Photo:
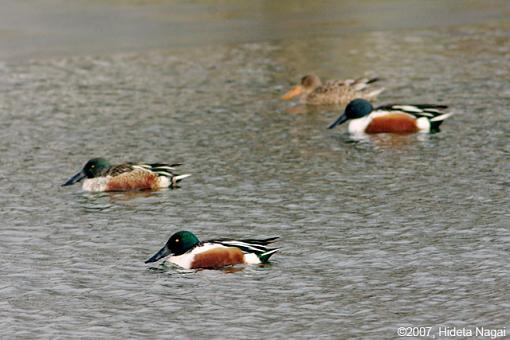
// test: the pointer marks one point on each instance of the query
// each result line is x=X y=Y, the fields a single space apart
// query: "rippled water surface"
x=375 y=234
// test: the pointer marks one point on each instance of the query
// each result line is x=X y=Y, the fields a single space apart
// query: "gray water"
x=375 y=234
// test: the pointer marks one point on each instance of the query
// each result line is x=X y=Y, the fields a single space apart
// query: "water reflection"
x=118 y=197
x=167 y=267
x=385 y=140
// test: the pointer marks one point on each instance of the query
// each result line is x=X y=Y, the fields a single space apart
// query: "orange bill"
x=295 y=91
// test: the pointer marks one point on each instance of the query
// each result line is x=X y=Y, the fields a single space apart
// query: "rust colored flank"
x=393 y=123
x=217 y=258
x=134 y=180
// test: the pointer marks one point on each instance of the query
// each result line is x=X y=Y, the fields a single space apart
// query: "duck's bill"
x=76 y=178
x=295 y=91
x=164 y=252
x=340 y=120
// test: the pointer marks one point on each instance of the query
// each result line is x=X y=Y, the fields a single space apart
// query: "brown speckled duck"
x=340 y=92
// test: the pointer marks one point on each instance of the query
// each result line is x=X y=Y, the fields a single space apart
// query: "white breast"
x=358 y=126
x=95 y=184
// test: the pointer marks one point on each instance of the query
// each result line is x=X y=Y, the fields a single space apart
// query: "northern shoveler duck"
x=100 y=175
x=186 y=251
x=340 y=92
x=393 y=118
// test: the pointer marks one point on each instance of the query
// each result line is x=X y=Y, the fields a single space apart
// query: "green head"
x=92 y=169
x=357 y=108
x=178 y=244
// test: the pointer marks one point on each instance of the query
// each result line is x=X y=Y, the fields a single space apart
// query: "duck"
x=185 y=250
x=99 y=175
x=391 y=118
x=311 y=91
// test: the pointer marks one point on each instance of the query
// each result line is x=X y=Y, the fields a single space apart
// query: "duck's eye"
x=92 y=166
x=177 y=240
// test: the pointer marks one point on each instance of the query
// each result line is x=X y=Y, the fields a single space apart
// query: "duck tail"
x=373 y=94
x=264 y=257
x=167 y=170
x=372 y=80
x=177 y=178
x=437 y=121
x=366 y=91
x=257 y=247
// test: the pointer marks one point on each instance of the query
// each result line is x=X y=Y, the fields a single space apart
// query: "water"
x=375 y=234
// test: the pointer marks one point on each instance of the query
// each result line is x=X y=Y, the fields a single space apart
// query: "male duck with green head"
x=392 y=118
x=186 y=251
x=99 y=175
